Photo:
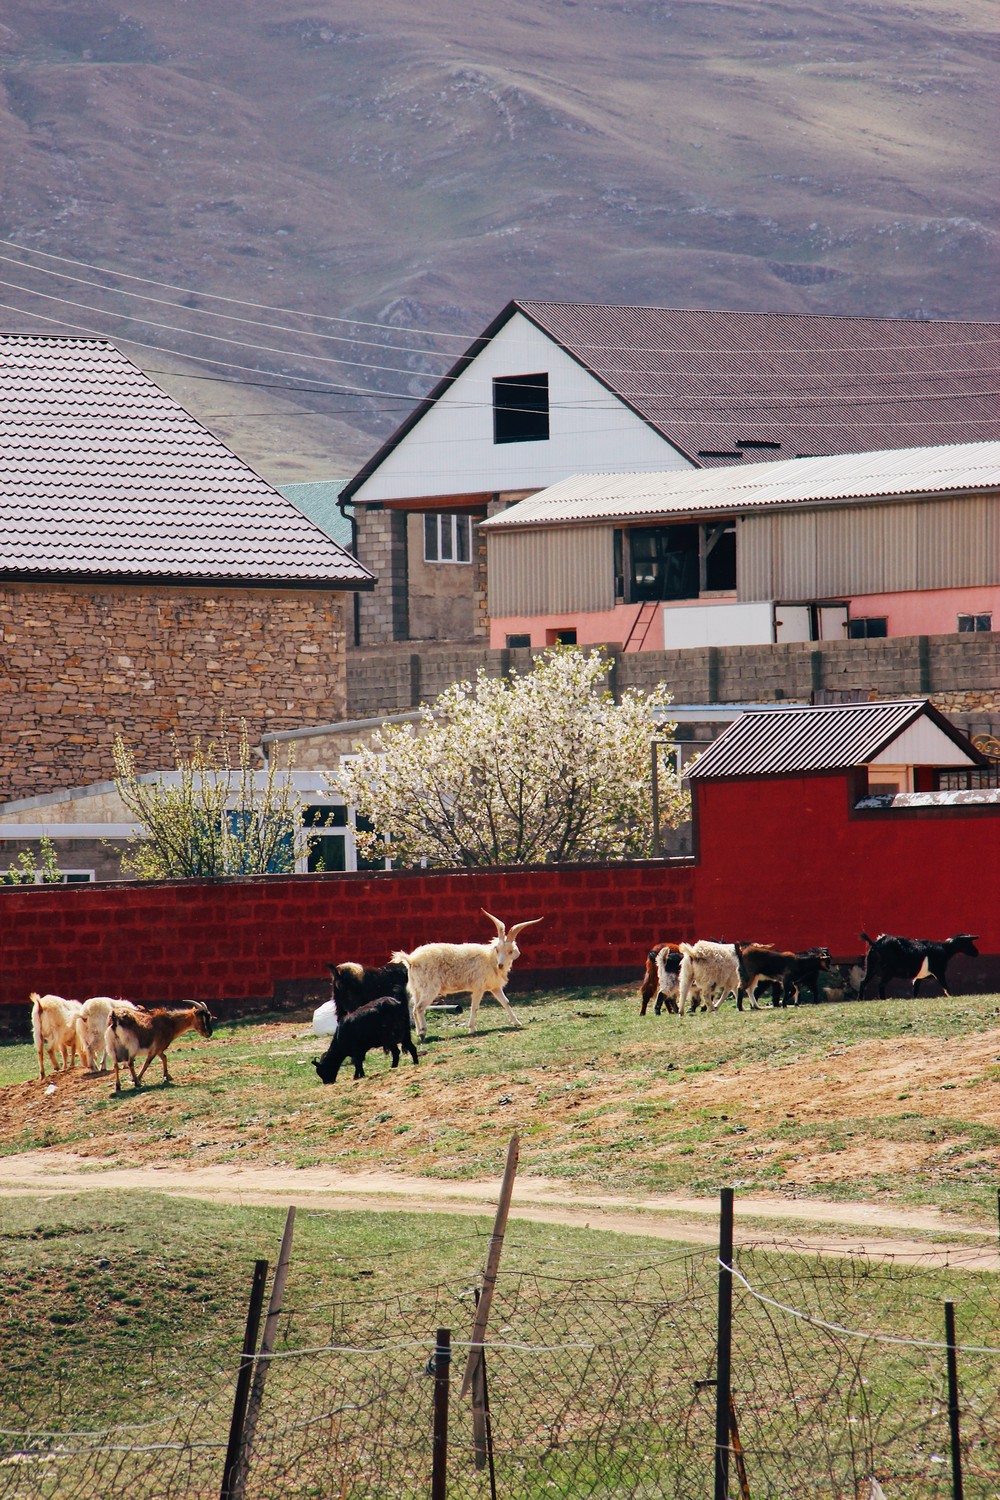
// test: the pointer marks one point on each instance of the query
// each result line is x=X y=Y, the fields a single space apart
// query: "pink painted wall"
x=593 y=627
x=918 y=612
x=928 y=611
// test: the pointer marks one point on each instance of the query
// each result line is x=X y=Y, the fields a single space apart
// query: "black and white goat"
x=912 y=959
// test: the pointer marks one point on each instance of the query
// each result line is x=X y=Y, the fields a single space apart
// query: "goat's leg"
x=498 y=992
x=477 y=995
x=166 y=1076
x=359 y=1065
x=409 y=1047
x=394 y=1049
x=149 y=1059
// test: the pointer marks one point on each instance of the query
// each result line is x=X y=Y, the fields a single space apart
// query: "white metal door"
x=832 y=620
x=792 y=622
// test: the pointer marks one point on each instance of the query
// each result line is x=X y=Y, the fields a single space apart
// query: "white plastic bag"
x=325 y=1019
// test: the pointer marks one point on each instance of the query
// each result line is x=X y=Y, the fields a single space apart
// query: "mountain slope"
x=419 y=166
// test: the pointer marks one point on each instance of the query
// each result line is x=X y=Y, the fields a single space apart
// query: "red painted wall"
x=781 y=861
x=784 y=860
x=237 y=939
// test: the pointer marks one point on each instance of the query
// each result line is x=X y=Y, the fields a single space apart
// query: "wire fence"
x=597 y=1386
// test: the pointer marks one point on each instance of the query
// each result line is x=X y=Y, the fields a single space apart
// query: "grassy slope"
x=425 y=165
x=896 y=1101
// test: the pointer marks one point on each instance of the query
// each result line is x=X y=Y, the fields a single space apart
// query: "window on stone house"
x=447 y=537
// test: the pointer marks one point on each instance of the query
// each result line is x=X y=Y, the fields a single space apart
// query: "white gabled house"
x=551 y=390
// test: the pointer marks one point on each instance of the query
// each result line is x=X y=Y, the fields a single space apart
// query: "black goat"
x=911 y=959
x=384 y=1022
x=354 y=985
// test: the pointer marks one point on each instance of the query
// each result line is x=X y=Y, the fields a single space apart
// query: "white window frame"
x=446 y=531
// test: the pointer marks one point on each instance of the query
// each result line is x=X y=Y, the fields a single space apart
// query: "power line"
x=220 y=338
x=203 y=312
x=618 y=347
x=754 y=403
x=233 y=301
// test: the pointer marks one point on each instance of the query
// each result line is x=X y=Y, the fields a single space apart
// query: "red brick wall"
x=240 y=939
x=781 y=861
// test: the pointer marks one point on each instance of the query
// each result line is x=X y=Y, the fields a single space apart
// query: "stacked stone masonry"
x=84 y=662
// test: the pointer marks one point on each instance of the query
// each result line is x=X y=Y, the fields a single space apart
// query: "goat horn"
x=520 y=925
x=501 y=929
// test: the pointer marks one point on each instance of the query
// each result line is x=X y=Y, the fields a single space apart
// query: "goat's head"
x=965 y=942
x=202 y=1018
x=506 y=944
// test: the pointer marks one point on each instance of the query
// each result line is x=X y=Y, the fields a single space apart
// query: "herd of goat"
x=380 y=1008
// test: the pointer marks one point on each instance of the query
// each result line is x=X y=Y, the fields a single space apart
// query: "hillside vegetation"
x=421 y=165
x=893 y=1101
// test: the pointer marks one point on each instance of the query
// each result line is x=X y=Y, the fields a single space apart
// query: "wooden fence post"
x=243 y=1379
x=262 y=1366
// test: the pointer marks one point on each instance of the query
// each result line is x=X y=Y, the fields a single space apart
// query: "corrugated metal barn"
x=807 y=530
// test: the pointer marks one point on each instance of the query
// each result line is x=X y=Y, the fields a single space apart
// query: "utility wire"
x=621 y=346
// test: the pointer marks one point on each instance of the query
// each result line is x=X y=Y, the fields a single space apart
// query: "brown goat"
x=151 y=1031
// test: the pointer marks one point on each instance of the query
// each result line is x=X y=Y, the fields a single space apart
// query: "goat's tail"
x=866 y=939
x=400 y=958
x=35 y=999
x=686 y=948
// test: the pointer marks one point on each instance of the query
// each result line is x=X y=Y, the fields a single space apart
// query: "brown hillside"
x=421 y=165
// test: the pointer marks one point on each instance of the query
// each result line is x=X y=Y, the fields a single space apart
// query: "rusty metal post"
x=439 y=1445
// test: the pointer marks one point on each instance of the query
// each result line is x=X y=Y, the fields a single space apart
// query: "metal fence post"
x=235 y=1447
x=724 y=1342
x=439 y=1446
x=953 y=1414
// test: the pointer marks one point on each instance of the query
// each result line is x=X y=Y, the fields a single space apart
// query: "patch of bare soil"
x=928 y=1076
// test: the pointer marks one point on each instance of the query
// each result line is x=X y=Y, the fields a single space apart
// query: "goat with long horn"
x=437 y=969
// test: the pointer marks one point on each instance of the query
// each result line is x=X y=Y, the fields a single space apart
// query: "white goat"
x=91 y=1026
x=437 y=969
x=53 y=1027
x=709 y=969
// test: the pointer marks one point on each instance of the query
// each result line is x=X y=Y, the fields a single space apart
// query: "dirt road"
x=811 y=1225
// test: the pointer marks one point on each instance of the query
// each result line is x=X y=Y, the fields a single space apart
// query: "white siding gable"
x=451 y=451
x=922 y=744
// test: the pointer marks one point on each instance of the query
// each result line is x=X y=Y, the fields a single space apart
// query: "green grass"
x=120 y=1312
x=602 y=1099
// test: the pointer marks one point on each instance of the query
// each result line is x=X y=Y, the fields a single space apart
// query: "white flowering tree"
x=539 y=768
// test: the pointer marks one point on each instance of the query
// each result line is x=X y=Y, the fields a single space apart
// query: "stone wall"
x=960 y=672
x=82 y=662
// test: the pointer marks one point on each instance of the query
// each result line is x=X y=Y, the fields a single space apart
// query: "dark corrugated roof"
x=102 y=474
x=711 y=380
x=830 y=738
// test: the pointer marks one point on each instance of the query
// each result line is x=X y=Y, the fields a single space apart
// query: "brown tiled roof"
x=831 y=738
x=103 y=475
x=711 y=381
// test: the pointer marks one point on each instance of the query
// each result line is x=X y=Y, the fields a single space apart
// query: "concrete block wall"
x=961 y=672
x=381 y=544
